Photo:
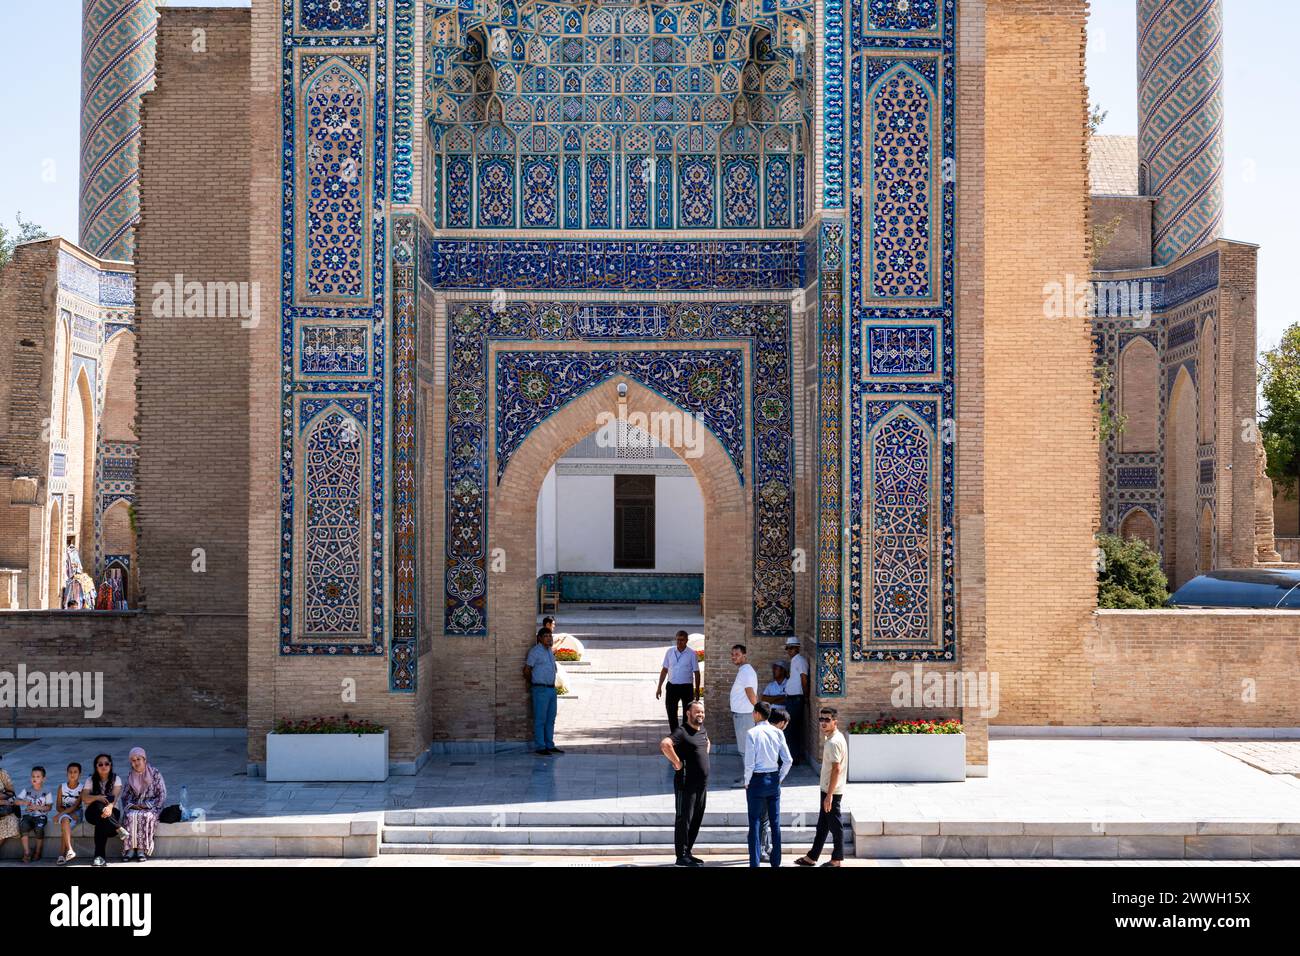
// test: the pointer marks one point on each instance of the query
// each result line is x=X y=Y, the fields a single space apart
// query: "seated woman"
x=142 y=802
x=8 y=811
x=103 y=806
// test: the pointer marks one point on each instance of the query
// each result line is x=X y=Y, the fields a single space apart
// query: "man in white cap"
x=796 y=698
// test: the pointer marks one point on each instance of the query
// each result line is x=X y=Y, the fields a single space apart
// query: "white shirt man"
x=682 y=669
x=796 y=699
x=744 y=695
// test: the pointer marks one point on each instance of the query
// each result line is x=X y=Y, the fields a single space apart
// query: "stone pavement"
x=736 y=861
x=1271 y=756
x=614 y=709
x=1042 y=797
x=666 y=618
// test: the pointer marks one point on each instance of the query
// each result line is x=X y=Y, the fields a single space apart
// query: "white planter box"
x=327 y=757
x=906 y=758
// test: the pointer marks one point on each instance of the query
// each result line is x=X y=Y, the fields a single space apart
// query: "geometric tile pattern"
x=532 y=386
x=900 y=372
x=615 y=264
x=533 y=382
x=620 y=117
x=610 y=86
x=901 y=438
x=901 y=96
x=334 y=271
x=334 y=461
x=117 y=67
x=830 y=460
x=1180 y=102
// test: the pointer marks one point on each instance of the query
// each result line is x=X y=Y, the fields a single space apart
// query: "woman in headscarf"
x=9 y=819
x=103 y=799
x=142 y=802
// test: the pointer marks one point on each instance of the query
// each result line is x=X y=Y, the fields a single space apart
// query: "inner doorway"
x=725 y=513
x=620 y=559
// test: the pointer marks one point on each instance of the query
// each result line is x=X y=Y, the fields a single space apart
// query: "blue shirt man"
x=540 y=673
x=767 y=761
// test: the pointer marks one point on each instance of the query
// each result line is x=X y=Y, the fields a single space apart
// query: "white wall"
x=679 y=525
x=546 y=554
x=575 y=524
x=585 y=522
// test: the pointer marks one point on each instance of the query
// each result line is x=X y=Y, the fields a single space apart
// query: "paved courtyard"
x=1085 y=781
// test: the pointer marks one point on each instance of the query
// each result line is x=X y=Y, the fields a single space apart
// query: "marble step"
x=571 y=835
x=789 y=851
x=579 y=818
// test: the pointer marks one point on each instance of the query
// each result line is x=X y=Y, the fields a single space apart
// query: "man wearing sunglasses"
x=835 y=757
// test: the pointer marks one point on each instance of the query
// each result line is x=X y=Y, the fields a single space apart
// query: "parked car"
x=1241 y=587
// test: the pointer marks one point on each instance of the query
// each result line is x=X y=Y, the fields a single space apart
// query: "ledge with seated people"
x=95 y=809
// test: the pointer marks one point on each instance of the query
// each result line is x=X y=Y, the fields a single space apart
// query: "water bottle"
x=185 y=799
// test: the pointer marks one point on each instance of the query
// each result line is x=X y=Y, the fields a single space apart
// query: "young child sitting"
x=36 y=803
x=69 y=811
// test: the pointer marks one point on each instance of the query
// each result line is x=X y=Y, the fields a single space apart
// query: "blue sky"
x=41 y=45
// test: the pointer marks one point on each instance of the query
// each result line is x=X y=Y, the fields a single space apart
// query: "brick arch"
x=1139 y=395
x=512 y=522
x=117 y=420
x=80 y=468
x=1205 y=541
x=54 y=556
x=1182 y=475
x=118 y=537
x=1206 y=377
x=1138 y=524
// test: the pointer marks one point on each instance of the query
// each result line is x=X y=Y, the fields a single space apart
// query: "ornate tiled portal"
x=555 y=136
x=752 y=420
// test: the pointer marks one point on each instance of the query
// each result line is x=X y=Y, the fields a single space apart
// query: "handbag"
x=170 y=814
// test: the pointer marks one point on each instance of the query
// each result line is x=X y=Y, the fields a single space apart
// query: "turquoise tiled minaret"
x=1180 y=121
x=117 y=67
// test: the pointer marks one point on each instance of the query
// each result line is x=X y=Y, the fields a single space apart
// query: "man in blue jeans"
x=539 y=674
x=767 y=761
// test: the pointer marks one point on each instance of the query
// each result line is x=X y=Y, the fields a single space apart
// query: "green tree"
x=1109 y=421
x=1279 y=382
x=1096 y=117
x=27 y=232
x=1130 y=576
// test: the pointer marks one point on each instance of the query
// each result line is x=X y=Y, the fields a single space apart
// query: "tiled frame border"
x=905 y=45
x=477 y=342
x=374 y=42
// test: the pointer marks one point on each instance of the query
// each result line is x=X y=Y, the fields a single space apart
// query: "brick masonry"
x=192 y=487
x=1190 y=669
x=1040 y=444
x=158 y=670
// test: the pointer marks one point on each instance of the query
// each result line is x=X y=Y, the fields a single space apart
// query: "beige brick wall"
x=1127 y=220
x=158 y=670
x=1234 y=405
x=1194 y=669
x=192 y=485
x=27 y=373
x=1041 y=458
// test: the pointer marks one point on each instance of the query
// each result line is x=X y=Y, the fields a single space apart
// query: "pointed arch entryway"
x=512 y=517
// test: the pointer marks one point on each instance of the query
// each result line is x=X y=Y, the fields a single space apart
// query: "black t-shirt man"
x=692 y=748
